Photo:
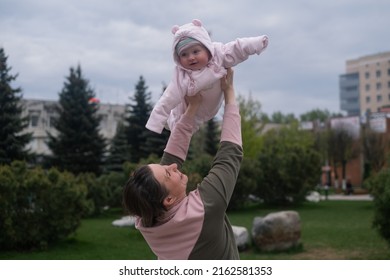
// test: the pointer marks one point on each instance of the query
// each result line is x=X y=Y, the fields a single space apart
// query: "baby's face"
x=194 y=58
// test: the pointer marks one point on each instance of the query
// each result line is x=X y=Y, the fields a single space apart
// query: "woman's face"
x=170 y=177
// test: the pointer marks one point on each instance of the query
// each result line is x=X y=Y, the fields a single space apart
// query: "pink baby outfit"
x=172 y=105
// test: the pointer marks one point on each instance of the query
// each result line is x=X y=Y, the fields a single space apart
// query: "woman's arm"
x=217 y=188
x=179 y=141
x=231 y=125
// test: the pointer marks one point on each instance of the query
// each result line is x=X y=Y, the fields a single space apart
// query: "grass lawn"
x=330 y=230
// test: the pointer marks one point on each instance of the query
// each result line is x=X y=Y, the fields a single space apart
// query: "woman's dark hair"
x=143 y=196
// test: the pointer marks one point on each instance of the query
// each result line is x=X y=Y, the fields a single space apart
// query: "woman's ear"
x=168 y=201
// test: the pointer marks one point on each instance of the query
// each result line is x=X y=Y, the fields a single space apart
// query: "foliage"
x=78 y=147
x=38 y=208
x=288 y=166
x=211 y=137
x=118 y=152
x=98 y=194
x=375 y=149
x=13 y=139
x=251 y=126
x=379 y=187
x=246 y=184
x=137 y=114
x=196 y=169
x=280 y=118
x=318 y=115
x=342 y=147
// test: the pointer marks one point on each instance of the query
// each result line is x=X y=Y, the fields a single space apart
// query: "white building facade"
x=42 y=113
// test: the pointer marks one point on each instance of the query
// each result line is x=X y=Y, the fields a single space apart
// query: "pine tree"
x=155 y=143
x=137 y=115
x=78 y=147
x=212 y=139
x=12 y=139
x=119 y=151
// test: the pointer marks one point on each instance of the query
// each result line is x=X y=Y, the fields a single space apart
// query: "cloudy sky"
x=115 y=42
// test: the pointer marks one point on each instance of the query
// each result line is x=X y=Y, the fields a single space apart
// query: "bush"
x=98 y=195
x=379 y=186
x=246 y=183
x=289 y=167
x=38 y=208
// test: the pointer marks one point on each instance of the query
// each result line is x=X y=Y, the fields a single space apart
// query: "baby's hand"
x=265 y=42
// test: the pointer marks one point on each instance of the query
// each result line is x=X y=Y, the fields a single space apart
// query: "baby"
x=200 y=63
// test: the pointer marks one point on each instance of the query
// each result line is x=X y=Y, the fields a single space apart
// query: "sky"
x=116 y=42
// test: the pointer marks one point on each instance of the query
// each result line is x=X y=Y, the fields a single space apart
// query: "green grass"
x=330 y=230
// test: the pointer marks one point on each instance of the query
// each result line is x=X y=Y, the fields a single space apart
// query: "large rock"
x=313 y=196
x=241 y=236
x=277 y=231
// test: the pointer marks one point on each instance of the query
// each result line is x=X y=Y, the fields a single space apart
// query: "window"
x=379 y=98
x=378 y=73
x=388 y=84
x=52 y=121
x=367 y=75
x=368 y=99
x=104 y=120
x=378 y=86
x=351 y=88
x=34 y=117
x=367 y=87
x=34 y=120
x=388 y=72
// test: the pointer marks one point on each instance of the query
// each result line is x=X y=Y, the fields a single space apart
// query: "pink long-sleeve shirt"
x=198 y=227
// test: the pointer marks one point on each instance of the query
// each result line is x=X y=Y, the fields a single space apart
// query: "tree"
x=318 y=115
x=137 y=114
x=375 y=149
x=12 y=139
x=119 y=151
x=315 y=115
x=211 y=137
x=280 y=118
x=251 y=126
x=342 y=148
x=289 y=166
x=78 y=147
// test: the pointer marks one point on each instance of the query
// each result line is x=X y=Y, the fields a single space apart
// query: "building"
x=42 y=113
x=365 y=87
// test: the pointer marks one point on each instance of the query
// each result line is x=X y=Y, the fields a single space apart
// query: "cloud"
x=117 y=42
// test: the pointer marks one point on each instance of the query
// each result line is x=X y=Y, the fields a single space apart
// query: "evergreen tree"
x=12 y=139
x=137 y=114
x=155 y=143
x=119 y=151
x=212 y=137
x=78 y=147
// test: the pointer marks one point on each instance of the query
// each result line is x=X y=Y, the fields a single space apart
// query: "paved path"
x=348 y=197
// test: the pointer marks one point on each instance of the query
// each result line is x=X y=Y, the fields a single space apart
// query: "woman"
x=193 y=226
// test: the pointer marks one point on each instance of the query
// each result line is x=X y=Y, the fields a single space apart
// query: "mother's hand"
x=193 y=103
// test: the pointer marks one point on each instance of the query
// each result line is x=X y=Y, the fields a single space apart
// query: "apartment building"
x=42 y=113
x=365 y=87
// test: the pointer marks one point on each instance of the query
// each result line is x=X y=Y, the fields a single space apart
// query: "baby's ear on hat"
x=175 y=28
x=197 y=22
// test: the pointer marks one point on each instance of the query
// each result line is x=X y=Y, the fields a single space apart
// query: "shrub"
x=98 y=195
x=246 y=183
x=379 y=186
x=288 y=166
x=38 y=207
